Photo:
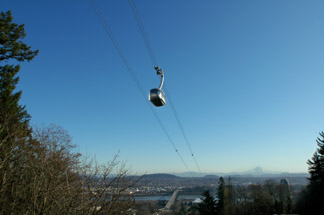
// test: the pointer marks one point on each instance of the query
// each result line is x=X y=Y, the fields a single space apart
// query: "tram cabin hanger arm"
x=157 y=96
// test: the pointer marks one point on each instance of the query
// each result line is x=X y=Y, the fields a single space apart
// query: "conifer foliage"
x=10 y=40
x=316 y=164
x=15 y=132
x=12 y=115
x=312 y=198
x=208 y=204
x=221 y=196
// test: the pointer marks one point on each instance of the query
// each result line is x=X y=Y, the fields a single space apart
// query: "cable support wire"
x=154 y=61
x=182 y=130
x=143 y=32
x=130 y=70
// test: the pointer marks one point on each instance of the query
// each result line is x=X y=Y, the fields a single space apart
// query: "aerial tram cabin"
x=157 y=96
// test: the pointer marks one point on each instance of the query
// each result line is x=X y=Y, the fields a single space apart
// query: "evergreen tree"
x=183 y=210
x=221 y=196
x=15 y=133
x=12 y=48
x=229 y=199
x=14 y=118
x=312 y=197
x=10 y=40
x=208 y=204
x=316 y=164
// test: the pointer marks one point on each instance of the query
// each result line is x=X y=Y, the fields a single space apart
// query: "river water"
x=166 y=198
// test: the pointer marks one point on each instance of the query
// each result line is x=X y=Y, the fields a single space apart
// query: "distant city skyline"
x=246 y=79
x=255 y=171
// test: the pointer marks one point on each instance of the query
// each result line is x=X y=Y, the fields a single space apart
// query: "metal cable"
x=154 y=61
x=143 y=32
x=182 y=129
x=129 y=68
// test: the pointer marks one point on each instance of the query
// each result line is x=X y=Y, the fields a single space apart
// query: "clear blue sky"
x=246 y=78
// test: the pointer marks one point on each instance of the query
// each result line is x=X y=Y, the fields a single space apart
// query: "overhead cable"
x=143 y=32
x=154 y=61
x=132 y=73
x=182 y=129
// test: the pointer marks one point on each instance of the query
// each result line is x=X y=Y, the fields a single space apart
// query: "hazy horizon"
x=228 y=172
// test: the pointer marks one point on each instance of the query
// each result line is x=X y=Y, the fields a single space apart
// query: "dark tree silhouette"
x=316 y=164
x=312 y=198
x=15 y=132
x=221 y=196
x=10 y=40
x=208 y=204
x=13 y=117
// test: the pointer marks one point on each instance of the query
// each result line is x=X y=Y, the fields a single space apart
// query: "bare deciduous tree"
x=72 y=184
